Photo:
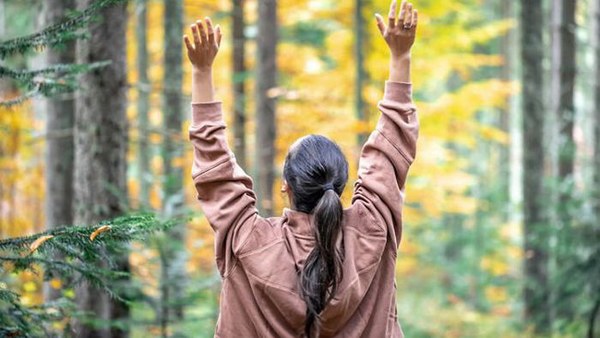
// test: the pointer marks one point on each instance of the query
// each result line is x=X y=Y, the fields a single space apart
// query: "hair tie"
x=328 y=186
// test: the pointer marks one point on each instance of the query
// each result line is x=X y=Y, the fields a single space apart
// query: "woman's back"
x=320 y=272
x=272 y=264
x=261 y=259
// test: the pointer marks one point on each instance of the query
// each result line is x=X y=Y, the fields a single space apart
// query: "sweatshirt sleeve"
x=224 y=189
x=386 y=158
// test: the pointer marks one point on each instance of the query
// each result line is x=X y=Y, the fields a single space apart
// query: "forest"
x=101 y=232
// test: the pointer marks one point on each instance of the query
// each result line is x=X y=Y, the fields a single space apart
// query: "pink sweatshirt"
x=260 y=259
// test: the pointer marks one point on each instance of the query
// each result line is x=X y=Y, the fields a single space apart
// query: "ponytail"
x=322 y=271
x=316 y=170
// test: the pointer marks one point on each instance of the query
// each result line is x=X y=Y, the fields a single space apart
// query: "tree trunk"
x=143 y=103
x=563 y=80
x=597 y=117
x=100 y=189
x=265 y=104
x=359 y=46
x=563 y=85
x=507 y=8
x=239 y=79
x=174 y=267
x=536 y=293
x=2 y=19
x=596 y=174
x=60 y=111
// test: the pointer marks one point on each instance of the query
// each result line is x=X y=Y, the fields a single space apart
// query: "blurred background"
x=501 y=222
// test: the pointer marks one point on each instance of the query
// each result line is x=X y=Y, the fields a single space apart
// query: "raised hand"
x=400 y=32
x=206 y=44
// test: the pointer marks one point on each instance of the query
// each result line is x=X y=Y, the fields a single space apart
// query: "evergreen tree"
x=58 y=78
x=82 y=249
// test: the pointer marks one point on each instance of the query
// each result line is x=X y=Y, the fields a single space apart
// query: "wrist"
x=400 y=68
x=400 y=58
x=202 y=71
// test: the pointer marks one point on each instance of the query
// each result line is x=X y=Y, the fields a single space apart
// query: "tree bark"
x=507 y=8
x=265 y=104
x=172 y=108
x=2 y=19
x=60 y=113
x=100 y=189
x=563 y=86
x=239 y=81
x=536 y=294
x=173 y=274
x=563 y=80
x=597 y=116
x=596 y=174
x=359 y=46
x=143 y=103
x=592 y=320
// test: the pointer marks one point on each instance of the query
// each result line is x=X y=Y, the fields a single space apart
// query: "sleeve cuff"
x=203 y=112
x=398 y=91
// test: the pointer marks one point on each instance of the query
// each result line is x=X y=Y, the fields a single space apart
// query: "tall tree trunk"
x=507 y=8
x=563 y=80
x=60 y=113
x=597 y=117
x=563 y=85
x=239 y=79
x=143 y=103
x=596 y=174
x=536 y=293
x=173 y=281
x=359 y=47
x=2 y=19
x=265 y=103
x=100 y=189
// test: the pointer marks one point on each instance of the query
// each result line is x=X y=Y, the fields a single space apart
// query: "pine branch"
x=18 y=100
x=50 y=81
x=55 y=71
x=22 y=321
x=86 y=251
x=66 y=29
x=125 y=228
x=76 y=254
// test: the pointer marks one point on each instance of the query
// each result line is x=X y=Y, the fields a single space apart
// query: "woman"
x=319 y=270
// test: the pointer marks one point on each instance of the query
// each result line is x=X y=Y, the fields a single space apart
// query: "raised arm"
x=224 y=190
x=391 y=148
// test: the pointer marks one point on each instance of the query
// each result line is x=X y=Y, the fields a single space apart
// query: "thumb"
x=380 y=23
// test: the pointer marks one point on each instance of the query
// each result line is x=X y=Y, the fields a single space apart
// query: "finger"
x=380 y=23
x=402 y=13
x=202 y=32
x=415 y=19
x=392 y=15
x=188 y=44
x=219 y=35
x=195 y=35
x=211 y=32
x=408 y=16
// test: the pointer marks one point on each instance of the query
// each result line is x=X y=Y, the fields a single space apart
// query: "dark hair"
x=316 y=172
